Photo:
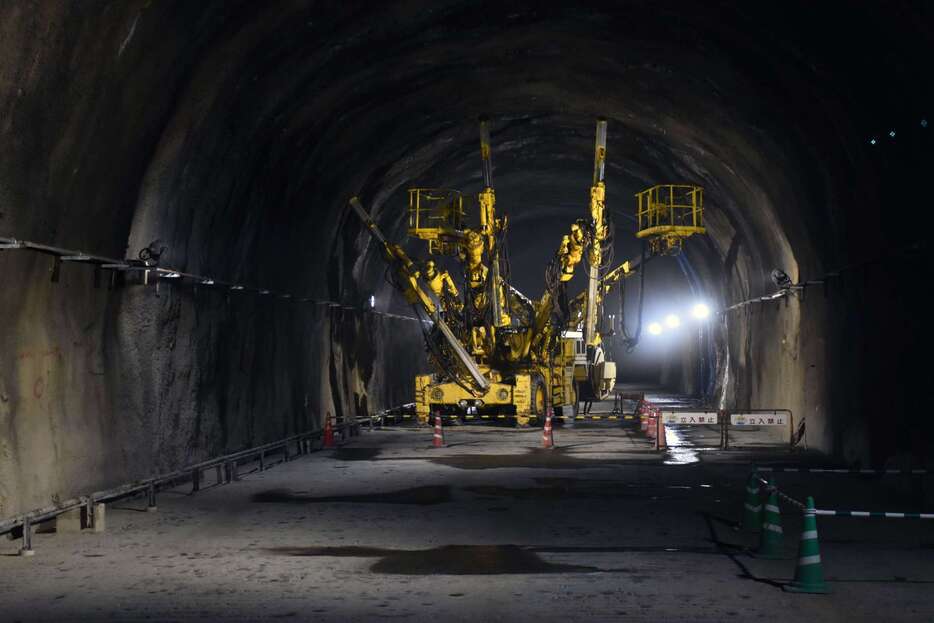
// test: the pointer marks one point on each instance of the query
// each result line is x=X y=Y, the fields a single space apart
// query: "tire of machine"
x=538 y=399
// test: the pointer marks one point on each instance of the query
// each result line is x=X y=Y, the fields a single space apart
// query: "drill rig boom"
x=410 y=283
x=598 y=222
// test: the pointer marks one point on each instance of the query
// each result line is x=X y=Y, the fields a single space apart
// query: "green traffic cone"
x=752 y=507
x=809 y=574
x=771 y=537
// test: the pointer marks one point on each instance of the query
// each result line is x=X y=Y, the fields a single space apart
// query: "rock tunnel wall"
x=232 y=133
x=99 y=386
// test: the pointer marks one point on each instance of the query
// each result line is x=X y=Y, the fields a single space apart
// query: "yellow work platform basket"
x=669 y=213
x=436 y=215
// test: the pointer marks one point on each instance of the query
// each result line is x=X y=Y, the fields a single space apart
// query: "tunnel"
x=222 y=140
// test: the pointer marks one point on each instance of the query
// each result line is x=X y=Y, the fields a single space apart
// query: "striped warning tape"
x=835 y=513
x=875 y=514
x=596 y=417
x=406 y=416
x=825 y=470
x=556 y=417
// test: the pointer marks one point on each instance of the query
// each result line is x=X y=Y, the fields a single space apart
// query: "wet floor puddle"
x=355 y=454
x=420 y=496
x=478 y=559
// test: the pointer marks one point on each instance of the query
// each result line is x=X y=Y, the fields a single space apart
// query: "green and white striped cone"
x=809 y=573
x=752 y=507
x=771 y=537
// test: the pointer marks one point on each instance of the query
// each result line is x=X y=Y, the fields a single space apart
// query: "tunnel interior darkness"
x=232 y=133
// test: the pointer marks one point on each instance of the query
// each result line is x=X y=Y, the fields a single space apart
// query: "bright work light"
x=672 y=321
x=700 y=311
x=655 y=328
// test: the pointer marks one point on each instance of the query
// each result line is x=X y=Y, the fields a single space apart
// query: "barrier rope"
x=875 y=514
x=765 y=484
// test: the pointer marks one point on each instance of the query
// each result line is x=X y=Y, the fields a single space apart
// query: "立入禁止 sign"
x=759 y=419
x=697 y=417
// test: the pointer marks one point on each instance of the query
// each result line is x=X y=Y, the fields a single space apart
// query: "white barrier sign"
x=689 y=417
x=759 y=419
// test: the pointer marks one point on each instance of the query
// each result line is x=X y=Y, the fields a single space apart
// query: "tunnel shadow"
x=567 y=488
x=481 y=559
x=458 y=444
x=556 y=458
x=419 y=496
x=733 y=551
x=355 y=454
x=446 y=560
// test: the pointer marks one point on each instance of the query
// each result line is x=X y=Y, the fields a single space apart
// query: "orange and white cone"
x=651 y=427
x=328 y=432
x=548 y=437
x=438 y=436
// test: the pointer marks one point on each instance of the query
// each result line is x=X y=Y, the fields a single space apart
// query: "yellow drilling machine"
x=494 y=351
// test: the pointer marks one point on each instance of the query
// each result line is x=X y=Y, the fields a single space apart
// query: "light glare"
x=672 y=321
x=700 y=311
x=655 y=328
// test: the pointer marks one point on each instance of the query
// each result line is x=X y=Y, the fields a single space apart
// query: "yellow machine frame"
x=496 y=352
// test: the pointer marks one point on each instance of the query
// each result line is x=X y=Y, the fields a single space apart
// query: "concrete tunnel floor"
x=491 y=527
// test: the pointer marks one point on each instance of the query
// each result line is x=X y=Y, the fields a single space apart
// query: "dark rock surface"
x=234 y=132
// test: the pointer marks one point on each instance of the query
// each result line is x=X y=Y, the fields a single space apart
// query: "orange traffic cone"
x=328 y=432
x=438 y=437
x=651 y=423
x=643 y=413
x=548 y=437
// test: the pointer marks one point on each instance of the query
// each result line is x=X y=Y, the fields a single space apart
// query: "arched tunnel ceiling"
x=289 y=110
x=264 y=117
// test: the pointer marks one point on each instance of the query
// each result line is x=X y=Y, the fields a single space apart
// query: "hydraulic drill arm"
x=410 y=284
x=404 y=267
x=490 y=226
x=569 y=256
x=578 y=304
x=599 y=232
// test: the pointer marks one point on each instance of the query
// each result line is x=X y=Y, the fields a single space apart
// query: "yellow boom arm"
x=410 y=284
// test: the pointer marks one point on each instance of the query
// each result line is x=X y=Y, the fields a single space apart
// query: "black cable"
x=633 y=340
x=435 y=352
